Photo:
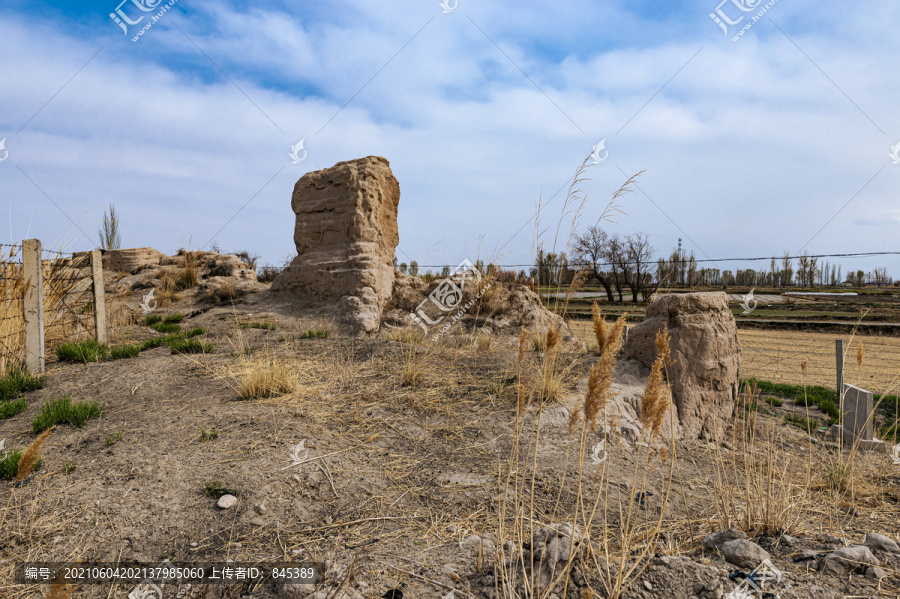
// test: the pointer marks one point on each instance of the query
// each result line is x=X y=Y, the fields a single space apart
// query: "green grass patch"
x=151 y=343
x=195 y=331
x=215 y=489
x=129 y=350
x=151 y=320
x=821 y=397
x=9 y=464
x=166 y=327
x=81 y=351
x=18 y=380
x=61 y=410
x=807 y=425
x=258 y=325
x=314 y=334
x=190 y=346
x=11 y=407
x=113 y=439
x=208 y=434
x=173 y=318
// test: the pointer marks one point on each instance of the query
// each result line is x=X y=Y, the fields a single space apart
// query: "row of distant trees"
x=626 y=263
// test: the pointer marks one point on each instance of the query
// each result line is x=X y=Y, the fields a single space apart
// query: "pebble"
x=227 y=501
x=193 y=543
x=647 y=585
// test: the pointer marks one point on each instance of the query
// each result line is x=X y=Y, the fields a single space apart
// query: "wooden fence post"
x=99 y=295
x=34 y=305
x=839 y=366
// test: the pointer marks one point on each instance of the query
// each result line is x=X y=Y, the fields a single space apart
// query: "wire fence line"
x=32 y=323
x=12 y=324
x=806 y=358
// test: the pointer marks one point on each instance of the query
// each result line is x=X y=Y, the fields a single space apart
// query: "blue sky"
x=776 y=142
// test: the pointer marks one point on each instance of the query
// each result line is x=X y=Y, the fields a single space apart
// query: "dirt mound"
x=706 y=357
x=202 y=276
x=489 y=305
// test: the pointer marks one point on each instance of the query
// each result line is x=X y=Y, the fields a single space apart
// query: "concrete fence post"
x=99 y=295
x=34 y=305
x=839 y=366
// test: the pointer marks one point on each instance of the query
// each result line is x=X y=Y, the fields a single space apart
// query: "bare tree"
x=110 y=239
x=638 y=276
x=590 y=252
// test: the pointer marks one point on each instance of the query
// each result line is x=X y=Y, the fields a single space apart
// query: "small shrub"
x=195 y=331
x=113 y=439
x=61 y=410
x=208 y=434
x=248 y=259
x=68 y=467
x=173 y=318
x=130 y=350
x=215 y=489
x=11 y=407
x=190 y=346
x=281 y=338
x=314 y=334
x=18 y=380
x=81 y=351
x=166 y=327
x=151 y=320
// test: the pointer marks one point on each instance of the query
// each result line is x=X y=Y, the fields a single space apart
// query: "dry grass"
x=261 y=376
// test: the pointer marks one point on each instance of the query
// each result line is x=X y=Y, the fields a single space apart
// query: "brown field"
x=777 y=356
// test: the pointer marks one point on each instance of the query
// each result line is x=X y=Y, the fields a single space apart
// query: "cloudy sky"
x=774 y=140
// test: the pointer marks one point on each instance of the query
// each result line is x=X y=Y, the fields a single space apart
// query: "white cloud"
x=750 y=149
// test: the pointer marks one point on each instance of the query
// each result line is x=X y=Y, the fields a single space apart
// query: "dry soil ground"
x=404 y=487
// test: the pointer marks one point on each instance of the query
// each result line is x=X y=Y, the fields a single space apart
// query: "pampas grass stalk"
x=32 y=454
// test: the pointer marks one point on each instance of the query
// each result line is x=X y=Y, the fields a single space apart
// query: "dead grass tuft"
x=263 y=375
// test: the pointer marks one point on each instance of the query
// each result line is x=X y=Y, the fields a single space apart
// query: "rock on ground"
x=880 y=543
x=744 y=553
x=706 y=358
x=715 y=540
x=346 y=234
x=849 y=559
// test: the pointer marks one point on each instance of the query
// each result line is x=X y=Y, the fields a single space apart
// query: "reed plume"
x=31 y=454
